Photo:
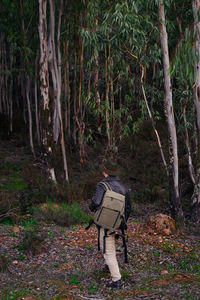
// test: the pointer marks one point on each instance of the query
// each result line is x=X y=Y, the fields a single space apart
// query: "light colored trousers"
x=110 y=255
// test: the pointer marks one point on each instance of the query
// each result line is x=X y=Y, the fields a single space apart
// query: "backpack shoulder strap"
x=106 y=185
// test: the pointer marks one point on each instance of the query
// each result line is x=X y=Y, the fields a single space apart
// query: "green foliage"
x=92 y=288
x=170 y=247
x=125 y=274
x=74 y=279
x=62 y=214
x=30 y=223
x=21 y=257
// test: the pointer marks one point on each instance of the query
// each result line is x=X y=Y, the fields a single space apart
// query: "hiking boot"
x=116 y=284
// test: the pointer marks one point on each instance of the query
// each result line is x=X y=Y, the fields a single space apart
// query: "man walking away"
x=110 y=172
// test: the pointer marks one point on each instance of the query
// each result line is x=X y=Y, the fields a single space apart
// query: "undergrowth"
x=62 y=214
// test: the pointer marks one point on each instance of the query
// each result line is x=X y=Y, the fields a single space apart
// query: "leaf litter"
x=69 y=265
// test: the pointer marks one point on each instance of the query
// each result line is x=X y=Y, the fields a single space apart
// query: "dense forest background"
x=81 y=81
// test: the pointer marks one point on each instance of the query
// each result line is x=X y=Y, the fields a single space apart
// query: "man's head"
x=110 y=168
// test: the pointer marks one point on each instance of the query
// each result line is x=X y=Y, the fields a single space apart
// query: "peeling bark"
x=46 y=133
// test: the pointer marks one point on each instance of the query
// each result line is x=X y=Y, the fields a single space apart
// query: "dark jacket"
x=116 y=186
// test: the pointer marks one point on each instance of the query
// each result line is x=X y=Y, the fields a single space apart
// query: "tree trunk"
x=55 y=67
x=67 y=91
x=176 y=208
x=59 y=95
x=46 y=132
x=11 y=91
x=187 y=142
x=112 y=102
x=107 y=103
x=28 y=84
x=196 y=90
x=96 y=82
x=75 y=97
x=36 y=101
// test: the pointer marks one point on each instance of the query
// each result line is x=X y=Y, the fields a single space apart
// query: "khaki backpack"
x=111 y=211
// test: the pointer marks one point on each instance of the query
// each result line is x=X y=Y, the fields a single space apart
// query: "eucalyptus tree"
x=196 y=90
x=8 y=48
x=46 y=130
x=111 y=37
x=174 y=166
x=50 y=71
x=185 y=71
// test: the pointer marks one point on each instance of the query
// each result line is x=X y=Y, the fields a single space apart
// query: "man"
x=110 y=172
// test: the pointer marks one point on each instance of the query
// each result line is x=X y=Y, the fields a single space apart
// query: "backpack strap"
x=106 y=185
x=125 y=246
x=91 y=222
x=104 y=240
x=98 y=228
x=123 y=228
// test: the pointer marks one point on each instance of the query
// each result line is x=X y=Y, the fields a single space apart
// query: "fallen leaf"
x=15 y=262
x=166 y=231
x=16 y=229
x=164 y=272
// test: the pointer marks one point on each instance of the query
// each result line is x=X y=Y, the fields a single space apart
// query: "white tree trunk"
x=175 y=200
x=44 y=87
x=55 y=67
x=29 y=114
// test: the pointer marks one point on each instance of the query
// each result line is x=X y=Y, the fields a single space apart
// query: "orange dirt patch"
x=177 y=278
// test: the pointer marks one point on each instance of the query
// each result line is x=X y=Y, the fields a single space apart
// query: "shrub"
x=61 y=214
x=32 y=241
x=9 y=209
x=3 y=263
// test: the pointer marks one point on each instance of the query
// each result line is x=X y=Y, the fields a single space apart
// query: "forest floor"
x=64 y=263
x=68 y=266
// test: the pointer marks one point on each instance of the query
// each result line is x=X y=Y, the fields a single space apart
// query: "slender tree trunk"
x=59 y=95
x=5 y=87
x=112 y=101
x=55 y=67
x=67 y=90
x=187 y=142
x=11 y=91
x=176 y=208
x=46 y=132
x=107 y=108
x=80 y=123
x=23 y=58
x=75 y=97
x=196 y=91
x=37 y=118
x=149 y=110
x=96 y=81
x=22 y=86
x=28 y=84
x=96 y=92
